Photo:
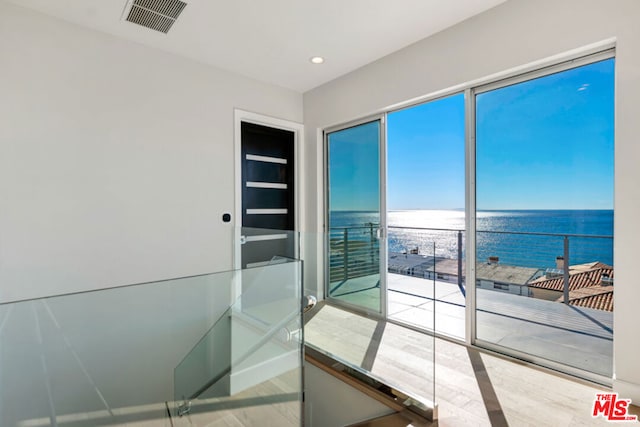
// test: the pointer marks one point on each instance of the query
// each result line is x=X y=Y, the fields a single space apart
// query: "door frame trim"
x=240 y=116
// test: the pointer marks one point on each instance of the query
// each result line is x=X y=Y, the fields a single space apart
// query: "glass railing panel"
x=258 y=343
x=260 y=246
x=412 y=265
x=547 y=296
x=206 y=366
x=108 y=357
x=102 y=357
x=400 y=357
x=25 y=394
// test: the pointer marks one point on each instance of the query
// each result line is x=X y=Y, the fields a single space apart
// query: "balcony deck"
x=471 y=387
x=575 y=336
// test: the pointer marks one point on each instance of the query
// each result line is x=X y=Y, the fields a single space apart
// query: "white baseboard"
x=627 y=390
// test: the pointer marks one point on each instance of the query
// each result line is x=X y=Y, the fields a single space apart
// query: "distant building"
x=445 y=269
x=590 y=285
x=491 y=275
x=409 y=264
x=505 y=278
x=424 y=266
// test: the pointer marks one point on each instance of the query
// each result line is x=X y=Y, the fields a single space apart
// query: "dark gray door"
x=268 y=194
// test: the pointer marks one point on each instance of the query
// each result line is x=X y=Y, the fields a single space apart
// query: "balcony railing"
x=353 y=252
x=561 y=264
x=532 y=264
x=543 y=297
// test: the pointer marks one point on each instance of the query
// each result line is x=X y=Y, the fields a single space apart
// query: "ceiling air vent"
x=157 y=15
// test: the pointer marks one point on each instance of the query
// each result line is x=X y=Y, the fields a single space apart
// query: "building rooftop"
x=505 y=273
x=401 y=261
x=596 y=297
x=446 y=266
x=580 y=276
x=586 y=286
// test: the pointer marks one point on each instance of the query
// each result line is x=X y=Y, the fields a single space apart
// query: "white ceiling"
x=272 y=40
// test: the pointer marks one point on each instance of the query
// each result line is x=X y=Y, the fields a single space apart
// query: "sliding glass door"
x=354 y=220
x=526 y=268
x=544 y=216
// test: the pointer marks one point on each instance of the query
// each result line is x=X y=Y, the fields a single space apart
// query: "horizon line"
x=479 y=210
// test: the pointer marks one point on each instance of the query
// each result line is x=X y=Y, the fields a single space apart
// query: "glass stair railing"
x=116 y=357
x=257 y=339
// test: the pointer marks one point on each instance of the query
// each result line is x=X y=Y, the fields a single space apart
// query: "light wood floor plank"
x=472 y=388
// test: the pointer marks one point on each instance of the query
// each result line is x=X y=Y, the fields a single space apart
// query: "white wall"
x=116 y=165
x=513 y=34
x=116 y=160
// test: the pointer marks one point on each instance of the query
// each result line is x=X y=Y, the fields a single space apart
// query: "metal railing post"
x=565 y=269
x=372 y=239
x=345 y=255
x=460 y=259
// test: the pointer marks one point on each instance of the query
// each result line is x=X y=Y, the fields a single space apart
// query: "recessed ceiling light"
x=317 y=59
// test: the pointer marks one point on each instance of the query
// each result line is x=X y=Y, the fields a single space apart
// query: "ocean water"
x=497 y=234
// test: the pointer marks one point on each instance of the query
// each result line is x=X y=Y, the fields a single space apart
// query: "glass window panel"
x=354 y=216
x=425 y=197
x=544 y=173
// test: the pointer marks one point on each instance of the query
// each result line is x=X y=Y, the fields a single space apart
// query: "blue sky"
x=548 y=143
x=354 y=159
x=425 y=156
x=542 y=144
